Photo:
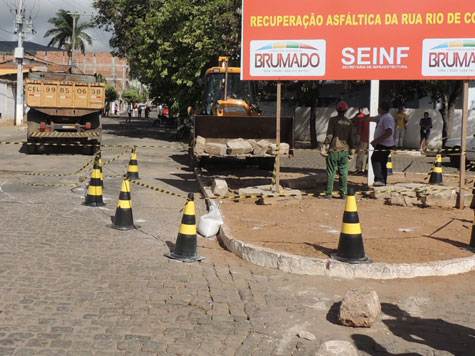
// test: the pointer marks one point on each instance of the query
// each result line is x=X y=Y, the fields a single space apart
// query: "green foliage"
x=111 y=93
x=170 y=44
x=62 y=32
x=101 y=78
x=132 y=96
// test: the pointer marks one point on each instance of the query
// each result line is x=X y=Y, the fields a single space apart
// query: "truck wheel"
x=89 y=148
x=31 y=146
x=267 y=163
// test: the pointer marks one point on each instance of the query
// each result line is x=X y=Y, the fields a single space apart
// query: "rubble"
x=360 y=307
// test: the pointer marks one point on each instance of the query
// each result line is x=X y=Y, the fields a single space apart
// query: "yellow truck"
x=64 y=109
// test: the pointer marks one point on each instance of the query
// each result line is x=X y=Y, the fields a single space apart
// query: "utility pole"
x=75 y=16
x=19 y=54
x=73 y=41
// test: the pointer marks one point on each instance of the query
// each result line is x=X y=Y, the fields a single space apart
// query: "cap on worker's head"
x=342 y=106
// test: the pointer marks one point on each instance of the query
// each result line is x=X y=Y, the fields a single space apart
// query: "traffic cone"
x=472 y=204
x=123 y=219
x=436 y=174
x=389 y=165
x=350 y=245
x=186 y=244
x=133 y=170
x=94 y=192
x=472 y=237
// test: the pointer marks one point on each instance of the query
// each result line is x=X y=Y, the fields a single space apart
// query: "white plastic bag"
x=209 y=223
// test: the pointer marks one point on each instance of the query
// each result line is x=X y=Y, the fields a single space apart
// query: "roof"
x=9 y=47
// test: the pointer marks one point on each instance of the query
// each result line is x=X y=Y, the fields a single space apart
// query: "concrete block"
x=284 y=149
x=200 y=143
x=215 y=149
x=257 y=149
x=360 y=307
x=219 y=187
x=250 y=191
x=443 y=198
x=238 y=147
x=304 y=182
x=273 y=200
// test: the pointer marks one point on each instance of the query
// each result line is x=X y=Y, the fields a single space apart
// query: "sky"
x=41 y=11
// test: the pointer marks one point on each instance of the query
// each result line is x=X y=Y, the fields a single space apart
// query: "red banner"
x=358 y=40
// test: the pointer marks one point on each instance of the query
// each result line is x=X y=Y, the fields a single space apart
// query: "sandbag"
x=209 y=223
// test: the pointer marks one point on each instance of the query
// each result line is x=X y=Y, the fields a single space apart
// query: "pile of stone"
x=238 y=147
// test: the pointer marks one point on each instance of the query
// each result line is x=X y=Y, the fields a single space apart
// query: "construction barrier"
x=350 y=246
x=186 y=247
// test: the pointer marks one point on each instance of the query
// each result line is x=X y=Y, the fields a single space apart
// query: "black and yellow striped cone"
x=350 y=245
x=133 y=170
x=389 y=165
x=472 y=237
x=186 y=249
x=472 y=204
x=123 y=219
x=436 y=174
x=96 y=184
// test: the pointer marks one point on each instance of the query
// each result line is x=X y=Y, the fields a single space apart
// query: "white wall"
x=7 y=101
x=412 y=138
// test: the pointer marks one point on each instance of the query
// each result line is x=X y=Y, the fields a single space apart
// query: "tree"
x=111 y=93
x=62 y=33
x=132 y=96
x=170 y=44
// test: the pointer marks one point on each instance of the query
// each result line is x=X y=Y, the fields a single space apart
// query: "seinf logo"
x=288 y=58
x=448 y=57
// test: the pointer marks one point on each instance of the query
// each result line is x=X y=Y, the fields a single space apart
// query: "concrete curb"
x=287 y=262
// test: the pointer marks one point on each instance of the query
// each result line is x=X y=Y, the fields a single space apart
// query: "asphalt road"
x=72 y=286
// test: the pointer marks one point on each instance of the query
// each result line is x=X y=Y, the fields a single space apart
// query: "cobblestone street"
x=72 y=286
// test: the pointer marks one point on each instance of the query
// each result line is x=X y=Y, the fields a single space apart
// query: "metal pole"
x=277 y=136
x=19 y=57
x=461 y=194
x=373 y=111
x=73 y=42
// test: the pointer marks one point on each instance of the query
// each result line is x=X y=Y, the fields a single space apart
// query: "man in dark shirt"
x=336 y=150
x=426 y=125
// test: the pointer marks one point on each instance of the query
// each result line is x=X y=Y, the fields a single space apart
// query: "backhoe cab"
x=226 y=94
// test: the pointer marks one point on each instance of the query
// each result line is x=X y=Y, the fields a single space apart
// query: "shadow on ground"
x=437 y=334
x=138 y=128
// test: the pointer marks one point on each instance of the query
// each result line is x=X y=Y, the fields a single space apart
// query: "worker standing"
x=336 y=148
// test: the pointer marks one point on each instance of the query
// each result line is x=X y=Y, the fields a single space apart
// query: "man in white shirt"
x=383 y=143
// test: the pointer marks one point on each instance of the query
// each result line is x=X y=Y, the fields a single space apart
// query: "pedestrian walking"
x=129 y=113
x=361 y=122
x=426 y=124
x=401 y=123
x=336 y=148
x=116 y=109
x=383 y=143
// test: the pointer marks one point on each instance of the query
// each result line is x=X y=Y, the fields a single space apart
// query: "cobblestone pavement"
x=72 y=286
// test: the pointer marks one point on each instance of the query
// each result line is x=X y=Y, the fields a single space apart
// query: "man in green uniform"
x=336 y=148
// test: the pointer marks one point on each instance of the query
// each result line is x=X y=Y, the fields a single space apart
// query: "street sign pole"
x=463 y=133
x=277 y=136
x=373 y=111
